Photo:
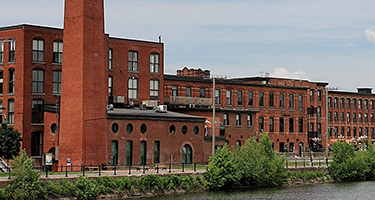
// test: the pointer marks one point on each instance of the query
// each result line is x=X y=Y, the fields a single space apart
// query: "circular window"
x=143 y=128
x=184 y=129
x=172 y=129
x=114 y=127
x=196 y=130
x=129 y=128
x=54 y=128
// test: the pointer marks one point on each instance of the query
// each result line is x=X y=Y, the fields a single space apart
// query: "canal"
x=346 y=190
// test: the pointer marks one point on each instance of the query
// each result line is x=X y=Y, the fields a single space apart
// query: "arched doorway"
x=187 y=154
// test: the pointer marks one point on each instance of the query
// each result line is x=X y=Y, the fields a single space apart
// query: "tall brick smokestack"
x=82 y=138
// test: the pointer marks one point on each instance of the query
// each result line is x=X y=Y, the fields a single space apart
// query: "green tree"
x=222 y=172
x=9 y=142
x=26 y=182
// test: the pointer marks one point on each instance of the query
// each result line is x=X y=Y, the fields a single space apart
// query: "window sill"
x=11 y=63
x=37 y=124
x=111 y=69
x=1 y=63
x=10 y=94
x=238 y=126
x=39 y=62
x=136 y=72
x=157 y=73
x=56 y=94
x=57 y=64
x=38 y=94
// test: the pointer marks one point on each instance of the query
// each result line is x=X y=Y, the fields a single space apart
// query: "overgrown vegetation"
x=254 y=164
x=9 y=142
x=349 y=165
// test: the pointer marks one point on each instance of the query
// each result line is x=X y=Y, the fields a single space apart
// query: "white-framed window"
x=38 y=81
x=12 y=51
x=11 y=111
x=217 y=96
x=154 y=63
x=57 y=51
x=110 y=56
x=1 y=52
x=133 y=61
x=1 y=81
x=11 y=80
x=300 y=101
x=56 y=84
x=239 y=97
x=229 y=97
x=154 y=89
x=272 y=127
x=110 y=86
x=133 y=88
x=226 y=119
x=38 y=50
x=249 y=120
x=238 y=119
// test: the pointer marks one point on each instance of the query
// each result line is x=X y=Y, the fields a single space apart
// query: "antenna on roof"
x=159 y=38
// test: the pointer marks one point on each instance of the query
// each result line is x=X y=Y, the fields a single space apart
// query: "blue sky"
x=321 y=40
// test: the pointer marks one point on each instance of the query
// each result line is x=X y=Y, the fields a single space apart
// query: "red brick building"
x=89 y=98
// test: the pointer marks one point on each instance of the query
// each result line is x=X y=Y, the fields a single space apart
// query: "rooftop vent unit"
x=161 y=108
x=110 y=107
x=118 y=99
x=150 y=103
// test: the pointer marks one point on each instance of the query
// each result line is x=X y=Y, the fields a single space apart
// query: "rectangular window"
x=1 y=81
x=133 y=88
x=281 y=100
x=143 y=153
x=174 y=91
x=342 y=117
x=300 y=125
x=300 y=101
x=1 y=52
x=311 y=95
x=37 y=111
x=291 y=125
x=272 y=99
x=238 y=120
x=110 y=86
x=249 y=120
x=319 y=95
x=226 y=119
x=57 y=52
x=348 y=132
x=342 y=103
x=342 y=131
x=272 y=129
x=261 y=124
x=348 y=103
x=319 y=128
x=38 y=81
x=217 y=96
x=229 y=97
x=251 y=103
x=239 y=97
x=38 y=50
x=154 y=63
x=133 y=61
x=354 y=104
x=12 y=51
x=110 y=57
x=56 y=84
x=261 y=98
x=188 y=92
x=354 y=132
x=291 y=101
x=11 y=111
x=281 y=127
x=329 y=102
x=202 y=93
x=348 y=117
x=11 y=79
x=36 y=143
x=335 y=103
x=154 y=89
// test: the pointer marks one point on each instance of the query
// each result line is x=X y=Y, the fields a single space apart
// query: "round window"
x=114 y=127
x=184 y=129
x=129 y=128
x=196 y=130
x=54 y=128
x=143 y=128
x=172 y=129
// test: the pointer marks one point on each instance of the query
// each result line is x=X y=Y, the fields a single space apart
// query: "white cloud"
x=370 y=35
x=284 y=73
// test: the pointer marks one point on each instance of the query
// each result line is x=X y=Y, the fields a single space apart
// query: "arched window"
x=143 y=152
x=157 y=152
x=187 y=154
x=129 y=152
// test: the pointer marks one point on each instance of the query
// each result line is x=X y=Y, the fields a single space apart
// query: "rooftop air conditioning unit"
x=191 y=105
x=118 y=99
x=150 y=103
x=110 y=107
x=162 y=108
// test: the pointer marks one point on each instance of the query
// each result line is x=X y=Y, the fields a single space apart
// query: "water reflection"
x=352 y=190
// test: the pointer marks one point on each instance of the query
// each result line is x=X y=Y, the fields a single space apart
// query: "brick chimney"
x=82 y=137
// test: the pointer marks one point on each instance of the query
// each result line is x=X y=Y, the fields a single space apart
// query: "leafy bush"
x=85 y=188
x=222 y=171
x=26 y=182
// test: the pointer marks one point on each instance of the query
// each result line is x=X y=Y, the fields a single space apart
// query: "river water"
x=347 y=190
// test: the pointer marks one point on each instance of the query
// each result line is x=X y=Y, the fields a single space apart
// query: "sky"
x=331 y=41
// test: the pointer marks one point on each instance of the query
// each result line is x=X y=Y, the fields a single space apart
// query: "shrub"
x=84 y=188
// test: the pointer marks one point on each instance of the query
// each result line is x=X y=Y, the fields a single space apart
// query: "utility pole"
x=213 y=115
